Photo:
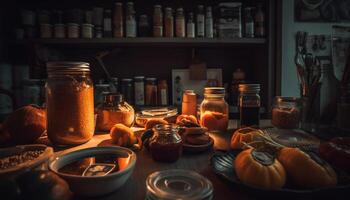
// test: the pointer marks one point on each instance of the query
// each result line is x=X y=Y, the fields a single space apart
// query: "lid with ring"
x=178 y=184
x=255 y=88
x=67 y=67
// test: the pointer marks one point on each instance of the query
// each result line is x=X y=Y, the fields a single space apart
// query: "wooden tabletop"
x=135 y=187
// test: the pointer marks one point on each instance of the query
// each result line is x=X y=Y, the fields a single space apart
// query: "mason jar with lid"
x=249 y=104
x=214 y=110
x=70 y=103
x=286 y=112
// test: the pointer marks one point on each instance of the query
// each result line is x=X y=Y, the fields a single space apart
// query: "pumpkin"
x=260 y=169
x=26 y=124
x=337 y=152
x=190 y=118
x=306 y=170
x=122 y=135
x=243 y=135
x=152 y=122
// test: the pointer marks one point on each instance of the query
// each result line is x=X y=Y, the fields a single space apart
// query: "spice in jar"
x=127 y=90
x=190 y=27
x=130 y=20
x=114 y=110
x=200 y=21
x=163 y=93
x=169 y=22
x=286 y=113
x=144 y=28
x=209 y=23
x=70 y=103
x=214 y=109
x=180 y=23
x=165 y=144
x=157 y=21
x=249 y=105
x=189 y=103
x=139 y=86
x=151 y=92
x=118 y=20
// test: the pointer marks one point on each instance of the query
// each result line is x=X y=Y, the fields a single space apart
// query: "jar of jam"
x=70 y=103
x=166 y=144
x=286 y=112
x=249 y=104
x=114 y=110
x=214 y=110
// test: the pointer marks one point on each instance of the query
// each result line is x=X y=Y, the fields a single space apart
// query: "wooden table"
x=135 y=187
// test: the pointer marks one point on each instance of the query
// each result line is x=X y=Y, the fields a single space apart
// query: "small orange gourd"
x=243 y=135
x=260 y=169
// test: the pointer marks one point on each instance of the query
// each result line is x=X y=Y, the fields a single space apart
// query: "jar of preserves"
x=70 y=103
x=151 y=92
x=286 y=112
x=165 y=144
x=249 y=104
x=114 y=110
x=214 y=110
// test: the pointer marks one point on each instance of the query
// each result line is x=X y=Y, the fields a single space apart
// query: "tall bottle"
x=157 y=21
x=209 y=23
x=180 y=23
x=118 y=20
x=200 y=21
x=169 y=22
x=259 y=22
x=249 y=23
x=107 y=23
x=130 y=20
x=190 y=27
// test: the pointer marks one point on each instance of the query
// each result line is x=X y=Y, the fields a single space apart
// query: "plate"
x=222 y=164
x=198 y=148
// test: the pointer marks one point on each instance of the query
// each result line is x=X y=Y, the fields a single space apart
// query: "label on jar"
x=130 y=28
x=163 y=97
x=200 y=25
x=139 y=94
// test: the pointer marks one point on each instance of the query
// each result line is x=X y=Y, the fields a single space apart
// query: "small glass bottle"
x=200 y=21
x=107 y=23
x=166 y=144
x=163 y=93
x=286 y=112
x=144 y=28
x=157 y=21
x=180 y=23
x=130 y=20
x=112 y=111
x=139 y=90
x=214 y=110
x=259 y=22
x=118 y=29
x=151 y=92
x=249 y=23
x=169 y=22
x=249 y=105
x=190 y=27
x=209 y=23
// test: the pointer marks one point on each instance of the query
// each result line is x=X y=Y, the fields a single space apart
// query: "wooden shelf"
x=146 y=41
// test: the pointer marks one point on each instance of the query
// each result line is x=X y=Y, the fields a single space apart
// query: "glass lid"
x=178 y=184
x=158 y=112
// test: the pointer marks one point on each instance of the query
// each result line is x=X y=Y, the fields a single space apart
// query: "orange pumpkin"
x=122 y=135
x=190 y=118
x=243 y=135
x=307 y=170
x=260 y=169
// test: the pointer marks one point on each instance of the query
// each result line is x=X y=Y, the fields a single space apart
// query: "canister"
x=45 y=30
x=73 y=30
x=59 y=31
x=87 y=31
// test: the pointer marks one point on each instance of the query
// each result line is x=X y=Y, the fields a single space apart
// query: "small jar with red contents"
x=166 y=144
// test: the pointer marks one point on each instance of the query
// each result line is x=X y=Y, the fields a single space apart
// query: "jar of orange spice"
x=70 y=103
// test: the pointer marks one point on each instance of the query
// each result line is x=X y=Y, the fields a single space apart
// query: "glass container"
x=178 y=184
x=127 y=90
x=151 y=93
x=214 y=110
x=165 y=144
x=70 y=103
x=114 y=110
x=249 y=104
x=166 y=113
x=286 y=112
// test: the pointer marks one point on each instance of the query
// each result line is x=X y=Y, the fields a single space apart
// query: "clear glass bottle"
x=112 y=111
x=144 y=27
x=169 y=22
x=214 y=111
x=139 y=86
x=128 y=90
x=190 y=27
x=70 y=103
x=249 y=105
x=249 y=23
x=107 y=23
x=130 y=20
x=157 y=21
x=200 y=21
x=166 y=144
x=209 y=23
x=180 y=23
x=286 y=112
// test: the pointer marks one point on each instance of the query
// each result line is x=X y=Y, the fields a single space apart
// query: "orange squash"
x=260 y=169
x=190 y=118
x=307 y=170
x=243 y=135
x=122 y=135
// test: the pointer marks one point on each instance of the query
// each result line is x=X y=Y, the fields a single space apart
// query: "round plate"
x=198 y=148
x=222 y=164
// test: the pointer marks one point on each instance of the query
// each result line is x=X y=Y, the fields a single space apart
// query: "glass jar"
x=114 y=110
x=178 y=184
x=180 y=23
x=166 y=144
x=151 y=92
x=70 y=103
x=157 y=21
x=286 y=112
x=168 y=22
x=139 y=91
x=128 y=90
x=249 y=104
x=214 y=110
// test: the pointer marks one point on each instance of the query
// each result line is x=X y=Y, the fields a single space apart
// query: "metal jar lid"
x=67 y=67
x=214 y=90
x=178 y=184
x=249 y=88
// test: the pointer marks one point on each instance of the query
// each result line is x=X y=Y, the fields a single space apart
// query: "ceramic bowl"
x=95 y=185
x=39 y=162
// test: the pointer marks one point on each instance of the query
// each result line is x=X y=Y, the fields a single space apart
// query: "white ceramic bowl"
x=94 y=185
